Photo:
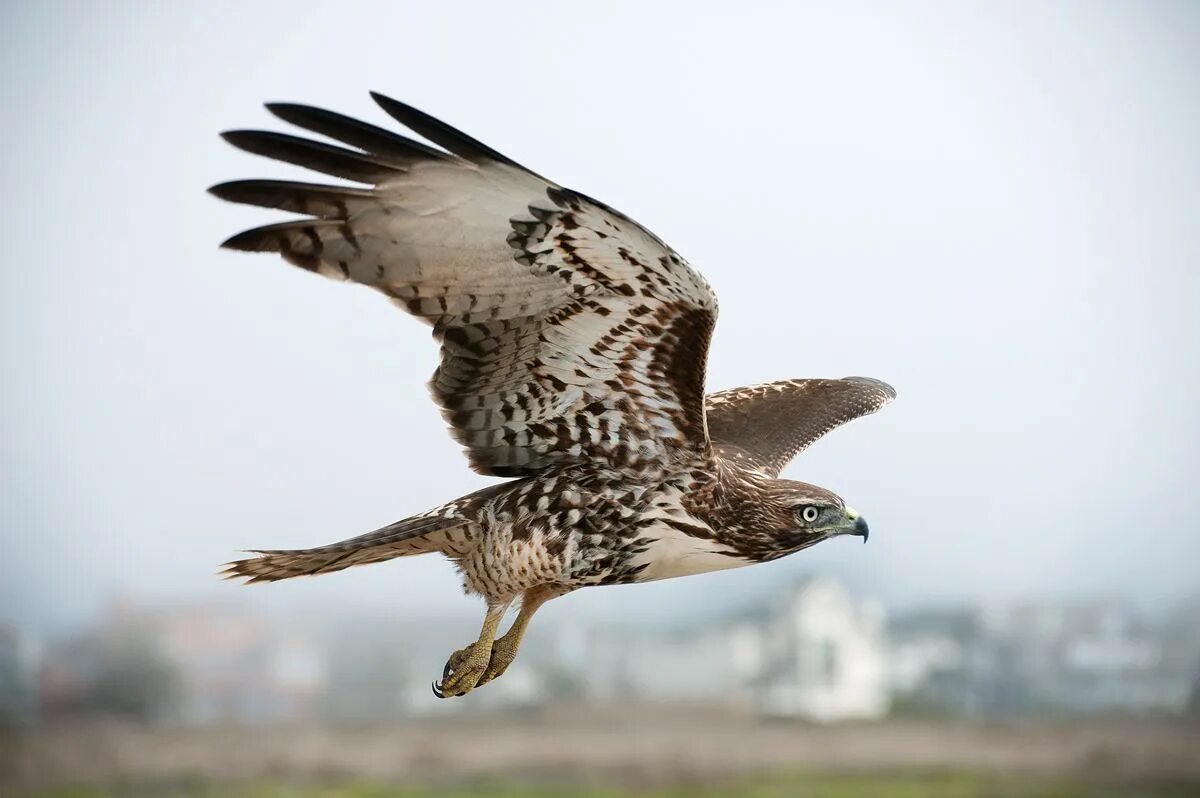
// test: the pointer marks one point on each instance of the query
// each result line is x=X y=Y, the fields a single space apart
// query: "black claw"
x=447 y=672
x=437 y=690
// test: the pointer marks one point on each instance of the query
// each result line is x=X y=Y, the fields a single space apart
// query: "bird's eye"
x=809 y=513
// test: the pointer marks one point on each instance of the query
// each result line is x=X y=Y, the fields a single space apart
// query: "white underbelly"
x=675 y=553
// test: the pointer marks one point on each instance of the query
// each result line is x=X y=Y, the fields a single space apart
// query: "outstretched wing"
x=772 y=423
x=568 y=332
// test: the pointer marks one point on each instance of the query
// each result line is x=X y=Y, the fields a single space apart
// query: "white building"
x=815 y=653
x=1072 y=657
x=824 y=656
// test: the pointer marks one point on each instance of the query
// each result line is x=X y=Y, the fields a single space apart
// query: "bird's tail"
x=441 y=530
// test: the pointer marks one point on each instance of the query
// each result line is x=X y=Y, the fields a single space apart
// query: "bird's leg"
x=504 y=650
x=467 y=665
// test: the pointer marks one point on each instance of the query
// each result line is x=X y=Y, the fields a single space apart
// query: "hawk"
x=573 y=348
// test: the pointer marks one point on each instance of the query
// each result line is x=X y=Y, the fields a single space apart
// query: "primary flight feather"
x=573 y=348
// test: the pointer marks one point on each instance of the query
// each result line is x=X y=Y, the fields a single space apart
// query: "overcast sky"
x=993 y=207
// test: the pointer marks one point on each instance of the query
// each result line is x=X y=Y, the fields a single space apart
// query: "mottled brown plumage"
x=573 y=349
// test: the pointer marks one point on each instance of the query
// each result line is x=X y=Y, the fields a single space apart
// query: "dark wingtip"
x=245 y=140
x=289 y=112
x=223 y=190
x=440 y=133
x=232 y=136
x=302 y=115
x=245 y=241
x=399 y=111
x=383 y=100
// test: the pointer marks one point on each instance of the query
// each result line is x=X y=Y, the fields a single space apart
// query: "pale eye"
x=809 y=514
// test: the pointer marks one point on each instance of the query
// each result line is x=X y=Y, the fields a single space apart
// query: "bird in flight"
x=573 y=349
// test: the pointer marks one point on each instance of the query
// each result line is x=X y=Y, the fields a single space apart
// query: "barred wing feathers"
x=772 y=423
x=568 y=332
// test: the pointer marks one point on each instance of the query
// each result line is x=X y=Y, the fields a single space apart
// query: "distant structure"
x=186 y=664
x=825 y=656
x=1069 y=658
x=235 y=667
x=716 y=663
x=815 y=653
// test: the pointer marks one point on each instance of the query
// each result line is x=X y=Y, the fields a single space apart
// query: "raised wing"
x=569 y=333
x=772 y=423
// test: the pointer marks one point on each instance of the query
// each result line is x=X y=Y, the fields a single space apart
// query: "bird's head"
x=804 y=514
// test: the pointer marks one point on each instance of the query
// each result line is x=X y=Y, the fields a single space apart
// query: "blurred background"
x=993 y=207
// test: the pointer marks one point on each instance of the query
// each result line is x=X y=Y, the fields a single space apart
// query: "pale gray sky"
x=994 y=207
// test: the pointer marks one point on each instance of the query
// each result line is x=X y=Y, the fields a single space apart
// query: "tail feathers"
x=418 y=535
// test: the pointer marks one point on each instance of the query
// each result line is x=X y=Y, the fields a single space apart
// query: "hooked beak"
x=859 y=527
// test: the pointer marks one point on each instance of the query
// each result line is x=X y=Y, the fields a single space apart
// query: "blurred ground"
x=799 y=785
x=639 y=750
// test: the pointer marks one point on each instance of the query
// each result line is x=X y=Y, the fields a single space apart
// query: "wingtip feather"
x=247 y=241
x=382 y=99
x=883 y=386
x=223 y=191
x=401 y=112
x=441 y=133
x=234 y=136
